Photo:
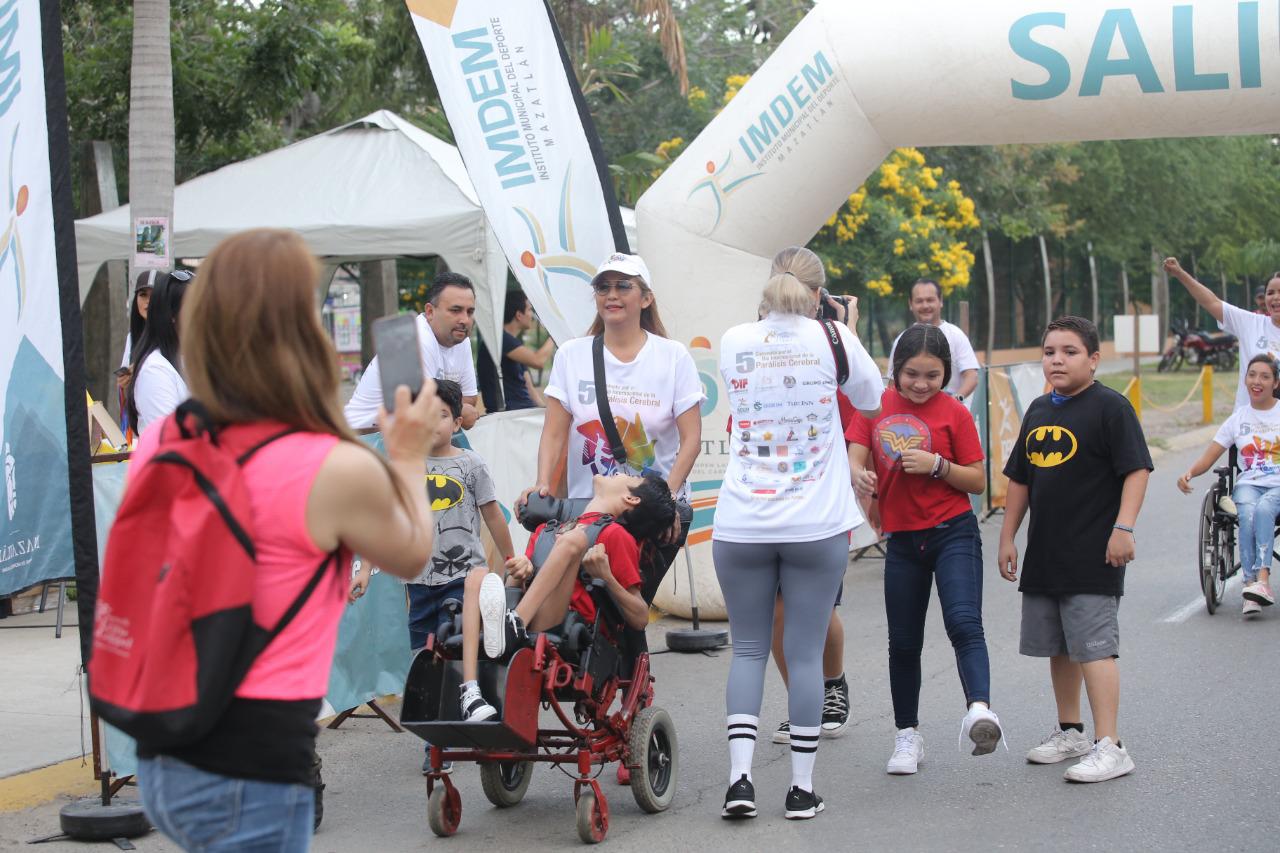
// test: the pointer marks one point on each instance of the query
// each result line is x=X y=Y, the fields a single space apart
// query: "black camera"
x=826 y=311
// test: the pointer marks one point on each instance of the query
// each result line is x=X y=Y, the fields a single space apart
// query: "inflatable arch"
x=855 y=80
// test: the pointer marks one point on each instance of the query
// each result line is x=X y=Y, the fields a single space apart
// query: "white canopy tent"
x=378 y=187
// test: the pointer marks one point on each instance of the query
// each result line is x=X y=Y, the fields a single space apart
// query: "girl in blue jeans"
x=920 y=459
x=1254 y=430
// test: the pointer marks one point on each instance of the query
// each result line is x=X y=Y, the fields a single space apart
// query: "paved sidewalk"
x=40 y=705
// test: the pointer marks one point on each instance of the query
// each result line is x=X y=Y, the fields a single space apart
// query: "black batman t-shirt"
x=1073 y=458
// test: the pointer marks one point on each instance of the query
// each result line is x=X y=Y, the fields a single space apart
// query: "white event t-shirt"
x=788 y=473
x=962 y=355
x=1256 y=436
x=158 y=390
x=646 y=395
x=1258 y=336
x=438 y=362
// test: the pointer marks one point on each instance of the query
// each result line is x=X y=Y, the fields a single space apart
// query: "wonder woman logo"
x=898 y=434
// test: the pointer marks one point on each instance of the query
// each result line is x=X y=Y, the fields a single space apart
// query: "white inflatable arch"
x=857 y=79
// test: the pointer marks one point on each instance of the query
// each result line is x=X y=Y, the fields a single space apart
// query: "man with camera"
x=926 y=307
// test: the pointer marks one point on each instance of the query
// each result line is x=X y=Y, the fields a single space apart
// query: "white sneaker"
x=1227 y=505
x=493 y=607
x=982 y=726
x=1251 y=607
x=908 y=753
x=474 y=708
x=1105 y=761
x=1259 y=592
x=1059 y=746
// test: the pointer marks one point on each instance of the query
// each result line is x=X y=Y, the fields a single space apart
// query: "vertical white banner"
x=35 y=521
x=529 y=147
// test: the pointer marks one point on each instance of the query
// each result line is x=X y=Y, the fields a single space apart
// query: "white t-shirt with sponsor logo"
x=1258 y=336
x=646 y=395
x=962 y=355
x=1256 y=436
x=788 y=473
x=438 y=362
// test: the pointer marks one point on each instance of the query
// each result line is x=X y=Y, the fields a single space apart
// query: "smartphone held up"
x=395 y=340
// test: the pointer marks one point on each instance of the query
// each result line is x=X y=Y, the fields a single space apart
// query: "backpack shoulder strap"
x=248 y=454
x=838 y=352
x=307 y=590
x=602 y=403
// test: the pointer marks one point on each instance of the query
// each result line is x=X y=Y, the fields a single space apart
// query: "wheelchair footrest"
x=431 y=703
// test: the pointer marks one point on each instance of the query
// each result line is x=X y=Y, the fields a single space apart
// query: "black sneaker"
x=835 y=707
x=740 y=800
x=802 y=804
x=783 y=733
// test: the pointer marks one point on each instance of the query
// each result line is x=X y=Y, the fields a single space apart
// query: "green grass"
x=1168 y=389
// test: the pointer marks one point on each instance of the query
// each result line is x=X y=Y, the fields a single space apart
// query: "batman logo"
x=444 y=492
x=1050 y=446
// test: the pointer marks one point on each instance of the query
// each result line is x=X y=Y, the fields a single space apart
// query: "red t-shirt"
x=942 y=425
x=624 y=563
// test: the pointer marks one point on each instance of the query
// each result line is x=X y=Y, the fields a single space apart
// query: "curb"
x=73 y=777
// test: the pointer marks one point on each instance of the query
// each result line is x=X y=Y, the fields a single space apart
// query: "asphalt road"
x=1199 y=694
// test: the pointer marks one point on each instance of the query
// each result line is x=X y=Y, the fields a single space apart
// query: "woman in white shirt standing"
x=157 y=387
x=654 y=395
x=783 y=518
x=1254 y=430
x=1259 y=334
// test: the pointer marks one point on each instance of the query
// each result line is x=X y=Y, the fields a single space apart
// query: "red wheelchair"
x=594 y=680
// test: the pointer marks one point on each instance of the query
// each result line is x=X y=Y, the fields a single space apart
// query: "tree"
x=151 y=135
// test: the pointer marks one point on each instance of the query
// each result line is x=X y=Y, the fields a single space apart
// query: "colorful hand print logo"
x=565 y=262
x=598 y=455
x=708 y=370
x=11 y=239
x=717 y=186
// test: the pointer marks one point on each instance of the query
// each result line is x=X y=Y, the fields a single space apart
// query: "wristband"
x=937 y=465
x=1126 y=528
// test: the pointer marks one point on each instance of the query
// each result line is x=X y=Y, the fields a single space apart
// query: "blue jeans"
x=1256 y=509
x=951 y=553
x=426 y=608
x=201 y=811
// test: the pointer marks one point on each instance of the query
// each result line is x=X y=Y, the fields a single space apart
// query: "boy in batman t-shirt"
x=1081 y=467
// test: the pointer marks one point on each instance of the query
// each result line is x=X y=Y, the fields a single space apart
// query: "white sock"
x=804 y=752
x=468 y=686
x=741 y=729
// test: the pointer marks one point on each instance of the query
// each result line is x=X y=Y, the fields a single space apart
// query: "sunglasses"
x=602 y=288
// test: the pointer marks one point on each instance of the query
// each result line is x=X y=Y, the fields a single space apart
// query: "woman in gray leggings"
x=783 y=519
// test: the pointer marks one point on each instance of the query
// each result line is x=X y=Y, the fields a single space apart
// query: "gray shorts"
x=1083 y=627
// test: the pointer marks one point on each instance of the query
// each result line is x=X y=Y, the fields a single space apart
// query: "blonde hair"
x=252 y=344
x=784 y=294
x=801 y=263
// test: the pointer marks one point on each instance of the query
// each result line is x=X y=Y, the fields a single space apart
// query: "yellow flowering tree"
x=906 y=222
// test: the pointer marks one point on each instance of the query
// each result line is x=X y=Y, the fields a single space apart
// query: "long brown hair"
x=253 y=348
x=650 y=321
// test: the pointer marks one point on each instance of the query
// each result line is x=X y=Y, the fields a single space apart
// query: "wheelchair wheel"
x=652 y=744
x=1215 y=553
x=593 y=821
x=505 y=782
x=444 y=810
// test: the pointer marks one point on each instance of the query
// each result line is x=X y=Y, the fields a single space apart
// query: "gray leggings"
x=808 y=576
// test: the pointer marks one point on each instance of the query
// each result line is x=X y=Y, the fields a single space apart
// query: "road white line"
x=1182 y=614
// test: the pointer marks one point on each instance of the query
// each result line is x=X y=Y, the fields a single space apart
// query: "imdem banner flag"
x=531 y=150
x=36 y=541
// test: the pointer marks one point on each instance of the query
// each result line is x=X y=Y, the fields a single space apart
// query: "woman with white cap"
x=654 y=398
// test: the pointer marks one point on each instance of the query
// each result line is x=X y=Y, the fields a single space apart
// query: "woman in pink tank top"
x=254 y=352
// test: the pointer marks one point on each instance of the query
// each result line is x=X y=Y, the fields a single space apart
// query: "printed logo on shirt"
x=1050 y=446
x=738 y=384
x=762 y=451
x=899 y=433
x=444 y=492
x=598 y=456
x=799 y=466
x=1260 y=455
x=781 y=450
x=788 y=382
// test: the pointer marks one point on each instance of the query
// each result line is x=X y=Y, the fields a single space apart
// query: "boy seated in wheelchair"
x=640 y=508
x=1254 y=430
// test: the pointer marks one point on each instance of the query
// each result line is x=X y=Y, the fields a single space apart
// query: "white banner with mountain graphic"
x=35 y=521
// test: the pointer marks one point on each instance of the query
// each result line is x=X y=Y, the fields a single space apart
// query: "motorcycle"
x=1199 y=347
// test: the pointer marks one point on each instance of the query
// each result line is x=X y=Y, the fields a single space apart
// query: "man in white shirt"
x=444 y=335
x=926 y=306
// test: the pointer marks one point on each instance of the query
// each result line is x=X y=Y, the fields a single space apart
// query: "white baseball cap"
x=628 y=265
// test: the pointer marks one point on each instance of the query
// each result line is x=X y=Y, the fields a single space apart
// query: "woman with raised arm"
x=1259 y=334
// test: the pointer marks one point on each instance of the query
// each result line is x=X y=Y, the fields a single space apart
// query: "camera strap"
x=838 y=352
x=618 y=449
